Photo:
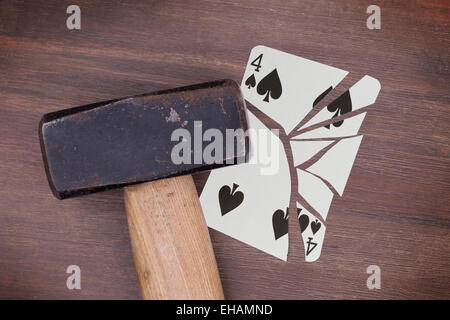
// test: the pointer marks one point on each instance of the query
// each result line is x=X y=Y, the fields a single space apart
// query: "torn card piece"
x=360 y=95
x=313 y=233
x=285 y=86
x=315 y=192
x=249 y=201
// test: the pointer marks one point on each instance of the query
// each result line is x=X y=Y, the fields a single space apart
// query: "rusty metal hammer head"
x=127 y=141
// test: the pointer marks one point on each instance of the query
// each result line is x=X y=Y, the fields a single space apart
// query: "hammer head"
x=125 y=141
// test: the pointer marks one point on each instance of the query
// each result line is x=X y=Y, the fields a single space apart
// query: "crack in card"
x=250 y=202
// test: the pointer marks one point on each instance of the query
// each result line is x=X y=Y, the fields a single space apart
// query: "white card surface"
x=285 y=86
x=335 y=165
x=251 y=220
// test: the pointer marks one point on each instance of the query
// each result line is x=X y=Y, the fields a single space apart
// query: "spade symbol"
x=304 y=222
x=280 y=223
x=229 y=199
x=322 y=95
x=251 y=81
x=341 y=106
x=270 y=85
x=315 y=226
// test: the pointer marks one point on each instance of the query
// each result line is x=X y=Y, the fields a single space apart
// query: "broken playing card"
x=252 y=206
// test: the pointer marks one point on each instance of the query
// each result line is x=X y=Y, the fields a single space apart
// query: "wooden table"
x=395 y=209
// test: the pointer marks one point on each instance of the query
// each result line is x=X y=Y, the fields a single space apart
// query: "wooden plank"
x=394 y=212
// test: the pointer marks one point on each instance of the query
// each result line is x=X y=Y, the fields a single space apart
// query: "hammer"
x=137 y=143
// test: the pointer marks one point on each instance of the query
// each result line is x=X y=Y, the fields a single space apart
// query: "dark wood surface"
x=395 y=209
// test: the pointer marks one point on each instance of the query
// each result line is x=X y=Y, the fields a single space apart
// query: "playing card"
x=285 y=86
x=248 y=201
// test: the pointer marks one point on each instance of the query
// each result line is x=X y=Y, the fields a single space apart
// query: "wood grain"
x=394 y=212
x=172 y=250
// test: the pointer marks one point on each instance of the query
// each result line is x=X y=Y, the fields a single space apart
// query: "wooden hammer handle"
x=171 y=245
